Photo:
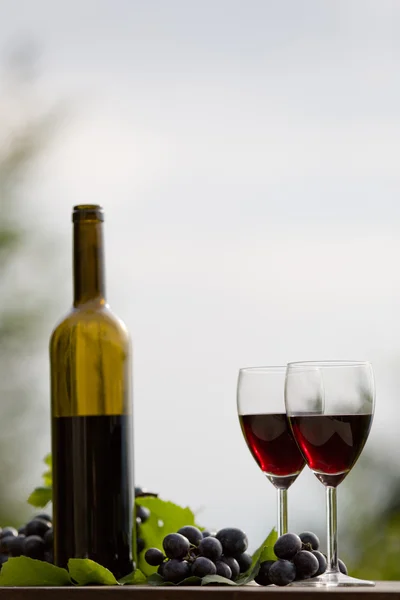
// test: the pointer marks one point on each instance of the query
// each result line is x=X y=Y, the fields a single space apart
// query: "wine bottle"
x=91 y=415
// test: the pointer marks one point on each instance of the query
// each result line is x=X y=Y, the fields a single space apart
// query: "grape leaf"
x=156 y=580
x=268 y=542
x=134 y=578
x=268 y=554
x=87 y=572
x=165 y=517
x=24 y=572
x=40 y=497
x=216 y=579
x=264 y=552
x=192 y=580
x=48 y=478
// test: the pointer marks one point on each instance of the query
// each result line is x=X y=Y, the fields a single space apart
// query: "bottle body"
x=92 y=433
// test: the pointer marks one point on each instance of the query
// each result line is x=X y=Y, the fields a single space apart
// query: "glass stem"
x=331 y=519
x=282 y=511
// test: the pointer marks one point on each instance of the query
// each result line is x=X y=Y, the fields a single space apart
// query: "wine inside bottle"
x=91 y=411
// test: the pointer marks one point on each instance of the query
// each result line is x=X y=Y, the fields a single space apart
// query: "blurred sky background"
x=246 y=154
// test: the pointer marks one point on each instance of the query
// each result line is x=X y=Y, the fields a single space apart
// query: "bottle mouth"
x=87 y=212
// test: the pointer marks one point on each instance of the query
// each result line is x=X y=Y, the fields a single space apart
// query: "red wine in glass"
x=272 y=445
x=331 y=443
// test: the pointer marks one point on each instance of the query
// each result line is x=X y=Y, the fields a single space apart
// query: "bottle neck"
x=89 y=279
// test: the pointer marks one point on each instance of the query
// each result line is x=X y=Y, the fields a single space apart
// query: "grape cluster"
x=191 y=552
x=298 y=558
x=35 y=539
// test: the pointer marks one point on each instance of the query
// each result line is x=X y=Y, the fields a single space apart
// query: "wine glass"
x=265 y=427
x=330 y=405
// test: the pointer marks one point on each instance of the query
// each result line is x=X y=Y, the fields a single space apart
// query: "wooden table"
x=384 y=590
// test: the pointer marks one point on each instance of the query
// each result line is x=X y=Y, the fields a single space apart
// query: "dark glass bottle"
x=91 y=410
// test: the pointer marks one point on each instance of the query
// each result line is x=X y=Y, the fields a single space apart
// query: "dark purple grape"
x=233 y=565
x=262 y=577
x=342 y=567
x=211 y=548
x=321 y=561
x=22 y=530
x=193 y=534
x=49 y=538
x=203 y=566
x=282 y=572
x=176 y=545
x=244 y=562
x=142 y=513
x=3 y=559
x=34 y=547
x=37 y=527
x=308 y=537
x=5 y=543
x=16 y=545
x=205 y=534
x=154 y=557
x=287 y=546
x=306 y=564
x=143 y=492
x=176 y=570
x=8 y=531
x=160 y=569
x=234 y=541
x=140 y=544
x=44 y=517
x=223 y=569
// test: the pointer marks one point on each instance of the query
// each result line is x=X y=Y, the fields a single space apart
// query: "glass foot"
x=333 y=580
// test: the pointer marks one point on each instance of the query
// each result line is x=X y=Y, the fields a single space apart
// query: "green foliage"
x=28 y=572
x=264 y=552
x=23 y=571
x=156 y=580
x=84 y=571
x=378 y=550
x=217 y=580
x=165 y=517
x=42 y=495
x=371 y=530
x=134 y=578
x=23 y=305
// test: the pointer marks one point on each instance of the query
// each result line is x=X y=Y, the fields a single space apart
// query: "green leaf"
x=156 y=579
x=24 y=572
x=48 y=478
x=264 y=552
x=269 y=541
x=134 y=578
x=216 y=580
x=192 y=580
x=165 y=517
x=40 y=497
x=87 y=572
x=268 y=554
